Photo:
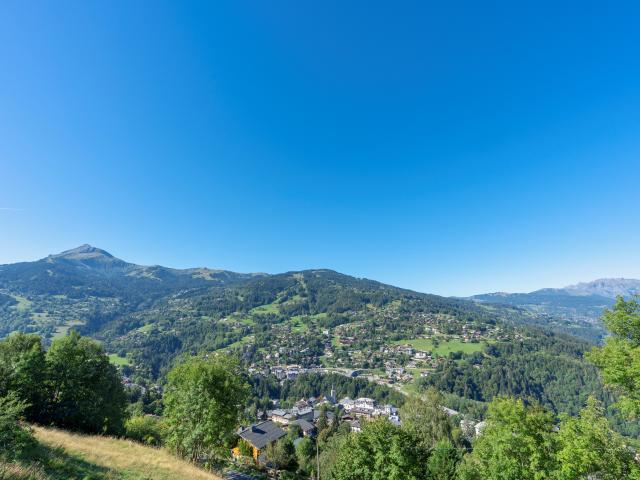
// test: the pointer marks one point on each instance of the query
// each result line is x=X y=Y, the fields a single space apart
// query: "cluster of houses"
x=128 y=383
x=305 y=415
x=366 y=408
x=287 y=372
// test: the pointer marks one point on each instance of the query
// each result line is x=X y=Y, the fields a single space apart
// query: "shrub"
x=146 y=429
x=15 y=438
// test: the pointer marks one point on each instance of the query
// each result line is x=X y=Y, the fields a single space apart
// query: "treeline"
x=543 y=366
x=71 y=385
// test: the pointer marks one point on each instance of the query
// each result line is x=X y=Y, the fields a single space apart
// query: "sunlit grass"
x=112 y=458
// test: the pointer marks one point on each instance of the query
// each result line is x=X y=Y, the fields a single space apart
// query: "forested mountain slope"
x=147 y=316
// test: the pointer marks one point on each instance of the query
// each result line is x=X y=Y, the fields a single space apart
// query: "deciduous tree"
x=203 y=403
x=86 y=391
x=619 y=358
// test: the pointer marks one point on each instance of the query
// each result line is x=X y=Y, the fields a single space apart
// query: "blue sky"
x=450 y=147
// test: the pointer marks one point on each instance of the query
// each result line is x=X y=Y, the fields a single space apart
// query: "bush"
x=15 y=438
x=146 y=429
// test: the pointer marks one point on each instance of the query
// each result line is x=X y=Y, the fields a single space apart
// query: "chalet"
x=260 y=436
x=347 y=403
x=361 y=413
x=303 y=413
x=365 y=403
x=308 y=429
x=283 y=417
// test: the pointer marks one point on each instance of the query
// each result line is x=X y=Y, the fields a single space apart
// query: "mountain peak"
x=83 y=252
x=606 y=287
x=88 y=256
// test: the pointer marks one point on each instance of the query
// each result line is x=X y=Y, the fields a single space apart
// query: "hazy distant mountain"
x=606 y=287
x=581 y=302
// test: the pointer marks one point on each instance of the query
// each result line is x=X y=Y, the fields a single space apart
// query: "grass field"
x=443 y=348
x=23 y=305
x=298 y=325
x=67 y=456
x=146 y=328
x=118 y=360
x=268 y=308
x=239 y=343
x=62 y=330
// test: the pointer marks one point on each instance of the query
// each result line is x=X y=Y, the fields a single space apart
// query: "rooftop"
x=262 y=434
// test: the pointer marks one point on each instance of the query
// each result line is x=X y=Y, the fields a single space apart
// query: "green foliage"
x=380 y=452
x=72 y=385
x=23 y=372
x=245 y=448
x=544 y=367
x=312 y=384
x=517 y=443
x=15 y=438
x=619 y=358
x=86 y=391
x=306 y=455
x=424 y=419
x=591 y=449
x=443 y=461
x=203 y=403
x=282 y=454
x=147 y=429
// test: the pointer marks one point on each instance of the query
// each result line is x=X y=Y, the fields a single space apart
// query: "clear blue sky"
x=449 y=147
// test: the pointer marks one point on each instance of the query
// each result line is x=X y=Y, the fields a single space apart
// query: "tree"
x=443 y=461
x=203 y=403
x=323 y=422
x=245 y=449
x=23 y=372
x=282 y=454
x=591 y=449
x=381 y=451
x=14 y=437
x=306 y=455
x=517 y=443
x=619 y=358
x=86 y=390
x=424 y=419
x=146 y=429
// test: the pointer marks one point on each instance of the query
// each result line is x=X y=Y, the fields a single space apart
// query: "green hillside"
x=146 y=317
x=63 y=455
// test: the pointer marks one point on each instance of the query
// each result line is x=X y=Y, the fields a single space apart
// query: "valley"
x=313 y=320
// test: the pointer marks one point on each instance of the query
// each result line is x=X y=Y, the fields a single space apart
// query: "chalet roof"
x=305 y=426
x=262 y=434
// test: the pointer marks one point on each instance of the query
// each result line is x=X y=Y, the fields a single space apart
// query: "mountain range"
x=580 y=302
x=147 y=316
x=154 y=312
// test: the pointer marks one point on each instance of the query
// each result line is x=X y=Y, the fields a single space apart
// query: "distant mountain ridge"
x=606 y=287
x=583 y=302
x=153 y=313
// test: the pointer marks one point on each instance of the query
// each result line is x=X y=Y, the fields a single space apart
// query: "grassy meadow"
x=444 y=347
x=62 y=455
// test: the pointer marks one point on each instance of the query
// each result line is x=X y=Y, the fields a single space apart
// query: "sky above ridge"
x=448 y=147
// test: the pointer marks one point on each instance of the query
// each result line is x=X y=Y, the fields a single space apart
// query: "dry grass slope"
x=72 y=456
